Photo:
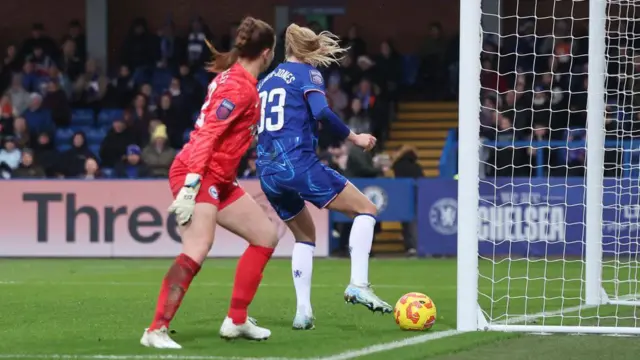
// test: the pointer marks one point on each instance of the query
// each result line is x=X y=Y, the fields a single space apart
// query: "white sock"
x=360 y=241
x=302 y=269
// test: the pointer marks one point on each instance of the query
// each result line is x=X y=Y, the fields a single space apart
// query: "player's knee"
x=367 y=208
x=268 y=238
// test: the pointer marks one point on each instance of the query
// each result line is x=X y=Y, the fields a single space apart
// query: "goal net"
x=549 y=166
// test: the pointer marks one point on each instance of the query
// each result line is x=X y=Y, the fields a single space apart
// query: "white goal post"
x=548 y=164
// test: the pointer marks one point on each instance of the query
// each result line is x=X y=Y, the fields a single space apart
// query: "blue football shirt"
x=287 y=131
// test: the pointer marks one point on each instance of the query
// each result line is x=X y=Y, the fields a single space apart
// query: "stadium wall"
x=114 y=219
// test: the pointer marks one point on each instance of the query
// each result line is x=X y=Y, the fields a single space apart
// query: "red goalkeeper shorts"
x=211 y=190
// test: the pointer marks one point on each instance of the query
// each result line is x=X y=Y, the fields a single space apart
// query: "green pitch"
x=97 y=309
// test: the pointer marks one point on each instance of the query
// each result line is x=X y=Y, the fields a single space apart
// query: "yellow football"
x=415 y=311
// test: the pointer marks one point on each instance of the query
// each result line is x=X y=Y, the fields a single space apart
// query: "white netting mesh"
x=533 y=189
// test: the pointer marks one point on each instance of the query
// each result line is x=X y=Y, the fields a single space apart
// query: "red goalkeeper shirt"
x=226 y=126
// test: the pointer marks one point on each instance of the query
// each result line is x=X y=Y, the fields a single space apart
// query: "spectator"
x=197 y=50
x=432 y=58
x=405 y=165
x=69 y=62
x=389 y=69
x=39 y=39
x=76 y=35
x=132 y=167
x=365 y=67
x=46 y=154
x=122 y=87
x=21 y=134
x=338 y=98
x=141 y=116
x=171 y=46
x=189 y=88
x=250 y=171
x=114 y=145
x=360 y=163
x=6 y=115
x=147 y=90
x=175 y=124
x=38 y=118
x=355 y=42
x=91 y=170
x=349 y=73
x=18 y=95
x=56 y=101
x=28 y=168
x=140 y=47
x=359 y=122
x=491 y=80
x=158 y=155
x=178 y=99
x=72 y=160
x=90 y=87
x=40 y=60
x=366 y=94
x=30 y=79
x=64 y=83
x=9 y=157
x=11 y=64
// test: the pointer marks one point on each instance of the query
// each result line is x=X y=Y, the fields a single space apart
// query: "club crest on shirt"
x=316 y=77
x=225 y=109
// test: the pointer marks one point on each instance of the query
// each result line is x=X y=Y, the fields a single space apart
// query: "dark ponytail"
x=252 y=37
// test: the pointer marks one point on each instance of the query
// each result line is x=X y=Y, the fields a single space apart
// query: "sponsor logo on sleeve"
x=225 y=109
x=316 y=77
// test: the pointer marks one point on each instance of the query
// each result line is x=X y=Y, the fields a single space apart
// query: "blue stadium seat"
x=82 y=117
x=107 y=116
x=63 y=136
x=411 y=65
x=95 y=149
x=63 y=147
x=82 y=128
x=195 y=116
x=107 y=172
x=202 y=77
x=95 y=136
x=160 y=80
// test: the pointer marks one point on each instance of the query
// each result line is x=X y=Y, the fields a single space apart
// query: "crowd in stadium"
x=63 y=116
x=535 y=92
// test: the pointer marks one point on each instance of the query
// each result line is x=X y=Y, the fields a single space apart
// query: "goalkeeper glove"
x=185 y=202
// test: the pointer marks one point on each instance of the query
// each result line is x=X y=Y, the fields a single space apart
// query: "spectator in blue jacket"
x=132 y=167
x=38 y=118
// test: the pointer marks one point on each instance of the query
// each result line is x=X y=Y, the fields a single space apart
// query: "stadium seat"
x=107 y=172
x=107 y=116
x=160 y=80
x=82 y=117
x=202 y=77
x=63 y=147
x=411 y=65
x=195 y=117
x=80 y=128
x=63 y=136
x=95 y=149
x=95 y=136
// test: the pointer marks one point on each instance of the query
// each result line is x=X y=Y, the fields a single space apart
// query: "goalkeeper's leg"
x=197 y=239
x=241 y=215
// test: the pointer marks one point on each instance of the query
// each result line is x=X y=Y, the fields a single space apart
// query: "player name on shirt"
x=281 y=73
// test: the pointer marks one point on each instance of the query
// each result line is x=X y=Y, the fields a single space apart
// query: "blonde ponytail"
x=315 y=49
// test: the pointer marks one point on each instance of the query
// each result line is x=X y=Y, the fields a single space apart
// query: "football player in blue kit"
x=293 y=101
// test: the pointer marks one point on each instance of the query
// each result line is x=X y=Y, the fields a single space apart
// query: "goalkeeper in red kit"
x=203 y=182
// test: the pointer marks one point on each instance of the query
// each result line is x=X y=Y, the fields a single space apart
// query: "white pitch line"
x=131 y=357
x=352 y=354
